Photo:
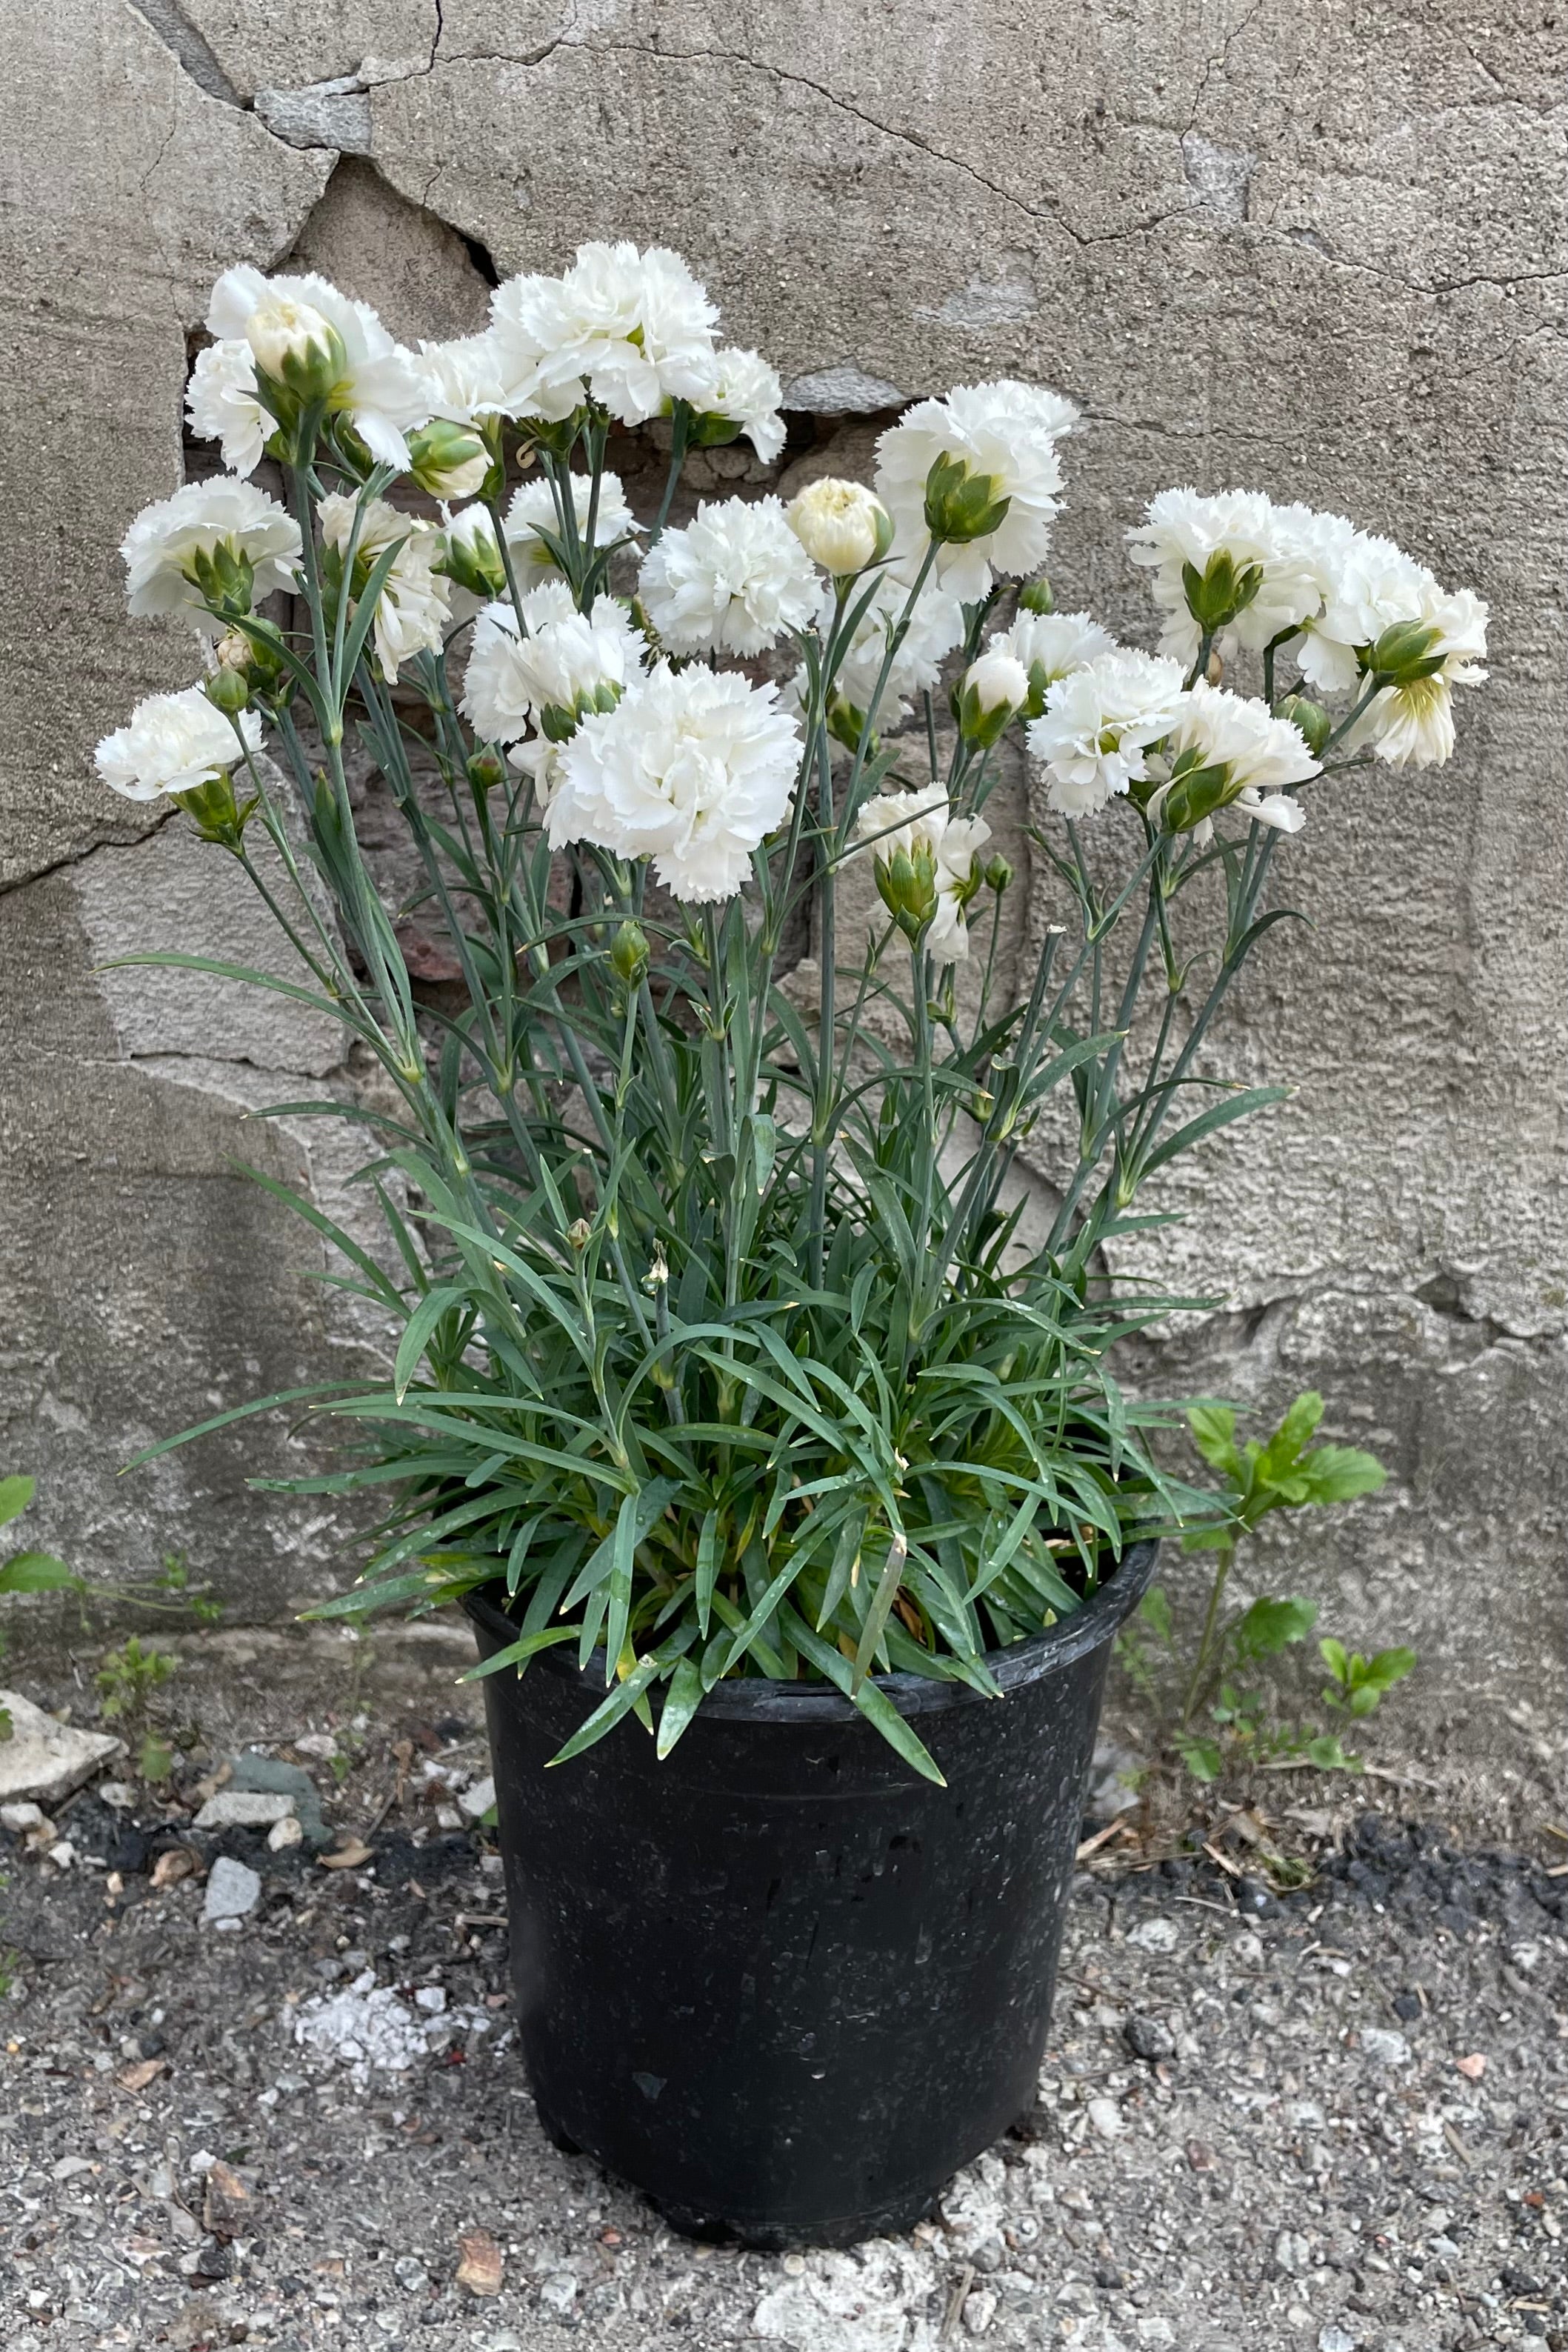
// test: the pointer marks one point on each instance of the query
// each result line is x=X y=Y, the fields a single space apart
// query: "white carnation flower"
x=382 y=388
x=465 y=378
x=221 y=405
x=998 y=680
x=1099 y=722
x=694 y=768
x=167 y=543
x=1259 y=755
x=1006 y=430
x=1182 y=528
x=744 y=390
x=1049 y=645
x=562 y=664
x=1412 y=725
x=533 y=510
x=1368 y=585
x=732 y=581
x=414 y=606
x=172 y=744
x=921 y=825
x=635 y=327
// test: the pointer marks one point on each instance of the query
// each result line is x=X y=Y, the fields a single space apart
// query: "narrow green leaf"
x=15 y=1494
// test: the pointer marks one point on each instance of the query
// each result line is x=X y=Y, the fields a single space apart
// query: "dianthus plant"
x=718 y=1349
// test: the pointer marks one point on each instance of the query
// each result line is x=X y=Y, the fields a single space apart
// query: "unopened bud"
x=471 y=555
x=847 y=724
x=842 y=525
x=579 y=1233
x=999 y=874
x=629 y=954
x=486 y=771
x=994 y=690
x=227 y=689
x=1310 y=721
x=961 y=504
x=1036 y=596
x=447 y=460
x=906 y=883
x=213 y=808
x=1214 y=668
x=1404 y=654
x=1220 y=591
x=296 y=347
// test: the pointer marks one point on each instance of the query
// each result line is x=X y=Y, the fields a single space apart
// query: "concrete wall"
x=1320 y=251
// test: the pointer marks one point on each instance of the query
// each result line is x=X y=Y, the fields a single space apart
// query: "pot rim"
x=755 y=1699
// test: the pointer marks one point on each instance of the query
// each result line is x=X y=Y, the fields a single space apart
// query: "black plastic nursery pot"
x=779 y=1982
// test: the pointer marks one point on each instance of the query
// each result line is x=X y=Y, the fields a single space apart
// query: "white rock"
x=243 y=1808
x=558 y=2291
x=70 y=2167
x=1336 y=2339
x=853 y=2303
x=20 y=1819
x=979 y=2310
x=320 y=1743
x=118 y=1793
x=368 y=2025
x=478 y=1798
x=1246 y=1951
x=447 y=1817
x=62 y=1854
x=45 y=1760
x=1384 y=2046
x=234 y=1890
x=1155 y=1936
x=286 y=1831
x=1106 y=2117
x=1155 y=2331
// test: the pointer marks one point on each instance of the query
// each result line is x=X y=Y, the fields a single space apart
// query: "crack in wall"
x=183 y=41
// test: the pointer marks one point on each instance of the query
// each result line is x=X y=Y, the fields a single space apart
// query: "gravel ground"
x=1334 y=2117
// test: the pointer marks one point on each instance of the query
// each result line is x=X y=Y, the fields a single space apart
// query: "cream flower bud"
x=842 y=525
x=994 y=689
x=294 y=344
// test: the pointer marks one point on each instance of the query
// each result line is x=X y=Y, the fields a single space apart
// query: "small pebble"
x=232 y=1890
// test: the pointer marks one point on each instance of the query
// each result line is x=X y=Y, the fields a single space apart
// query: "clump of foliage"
x=27 y=1571
x=1211 y=1698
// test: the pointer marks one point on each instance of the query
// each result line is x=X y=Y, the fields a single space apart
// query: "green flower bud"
x=1310 y=721
x=907 y=887
x=846 y=725
x=961 y=504
x=448 y=460
x=579 y=1233
x=471 y=556
x=486 y=771
x=1035 y=597
x=993 y=691
x=1194 y=793
x=297 y=351
x=1404 y=654
x=227 y=689
x=999 y=874
x=223 y=575
x=629 y=954
x=1220 y=592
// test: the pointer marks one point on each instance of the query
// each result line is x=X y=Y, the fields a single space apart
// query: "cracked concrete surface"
x=1318 y=250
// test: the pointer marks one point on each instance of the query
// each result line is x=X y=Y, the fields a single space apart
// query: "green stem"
x=1201 y=1664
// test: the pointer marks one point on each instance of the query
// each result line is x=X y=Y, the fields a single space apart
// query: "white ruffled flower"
x=1368 y=585
x=1006 y=430
x=415 y=607
x=1412 y=725
x=1182 y=528
x=381 y=389
x=732 y=581
x=635 y=327
x=465 y=378
x=694 y=768
x=566 y=660
x=221 y=405
x=168 y=543
x=1098 y=724
x=842 y=525
x=998 y=680
x=942 y=850
x=1259 y=755
x=173 y=743
x=533 y=510
x=744 y=390
x=1049 y=645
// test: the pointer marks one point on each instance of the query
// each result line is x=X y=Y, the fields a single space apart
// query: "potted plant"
x=791 y=1491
